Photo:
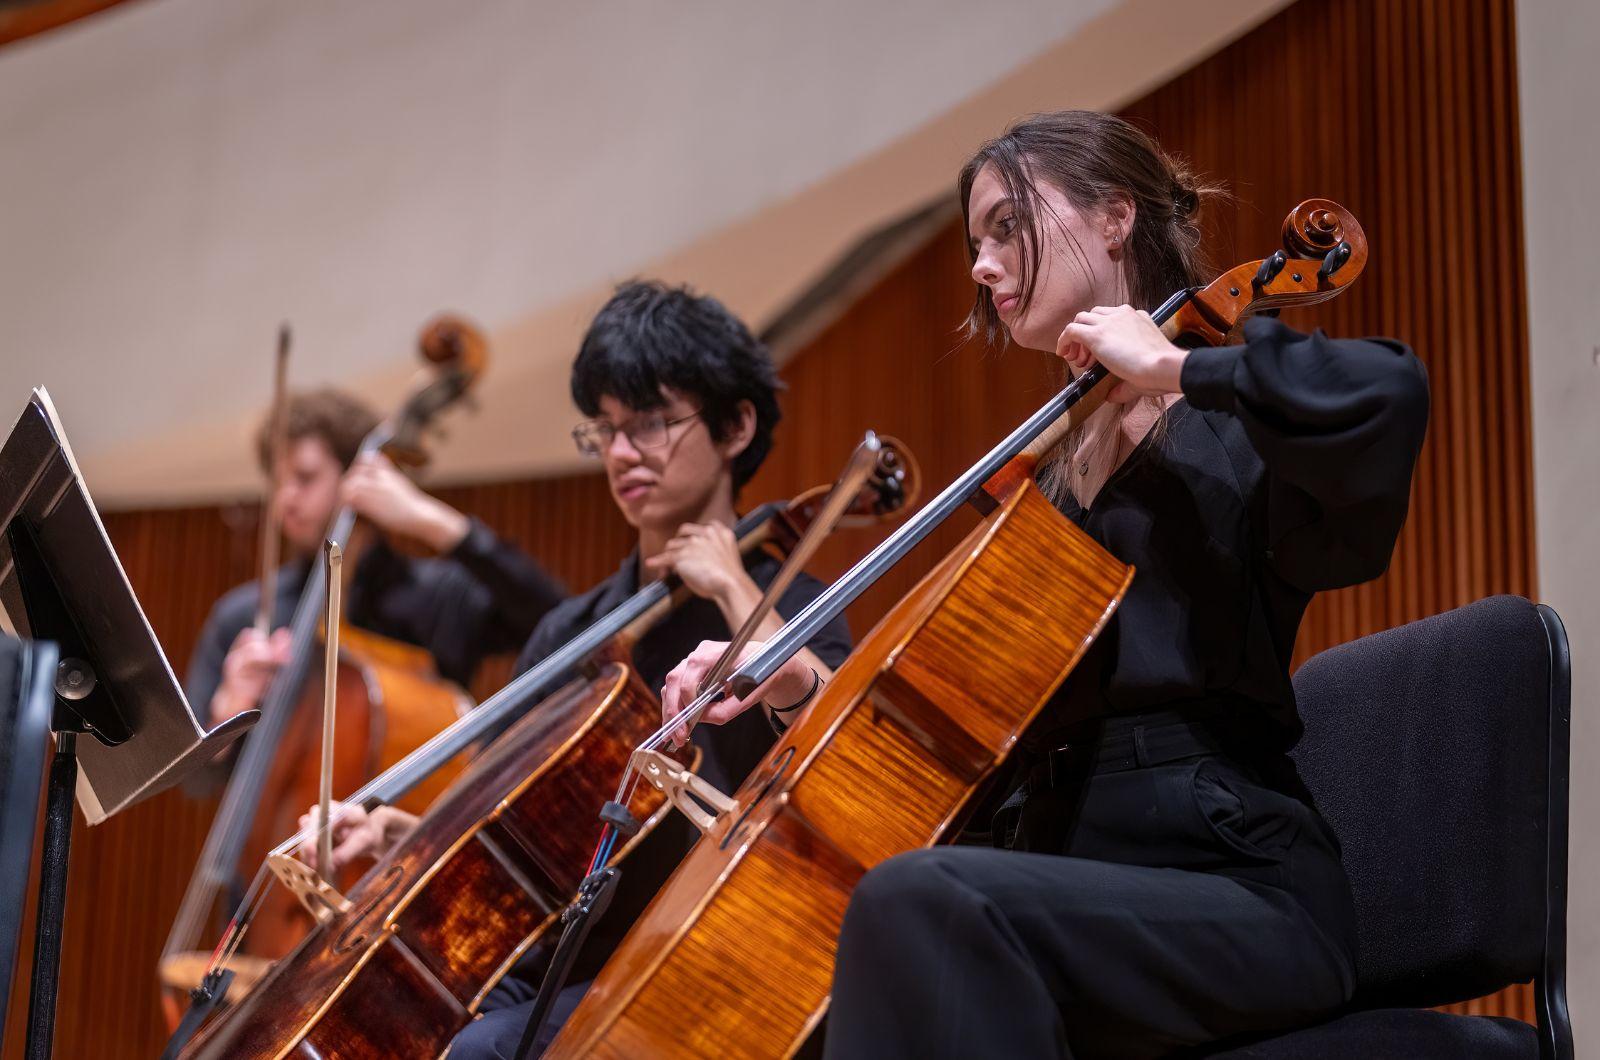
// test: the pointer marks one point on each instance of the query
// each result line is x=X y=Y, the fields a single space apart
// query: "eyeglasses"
x=648 y=430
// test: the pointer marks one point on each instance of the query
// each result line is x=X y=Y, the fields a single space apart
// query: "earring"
x=1116 y=241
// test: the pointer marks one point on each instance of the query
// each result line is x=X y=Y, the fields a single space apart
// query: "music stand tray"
x=61 y=581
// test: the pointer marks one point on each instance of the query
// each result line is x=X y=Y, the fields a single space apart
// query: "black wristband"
x=816 y=683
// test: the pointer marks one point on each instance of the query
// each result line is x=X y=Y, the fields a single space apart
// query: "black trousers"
x=496 y=1034
x=1185 y=901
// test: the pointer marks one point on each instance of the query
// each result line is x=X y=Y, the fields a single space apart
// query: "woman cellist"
x=1161 y=879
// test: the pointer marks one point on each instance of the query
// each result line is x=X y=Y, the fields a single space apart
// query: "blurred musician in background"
x=477 y=595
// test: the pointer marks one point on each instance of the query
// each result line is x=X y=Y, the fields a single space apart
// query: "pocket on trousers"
x=1254 y=822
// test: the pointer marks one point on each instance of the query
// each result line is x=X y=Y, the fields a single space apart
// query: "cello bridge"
x=315 y=893
x=694 y=796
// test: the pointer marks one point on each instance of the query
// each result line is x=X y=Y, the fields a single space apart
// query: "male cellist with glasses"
x=681 y=401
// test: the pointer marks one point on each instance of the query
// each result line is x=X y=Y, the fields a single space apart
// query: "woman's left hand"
x=1131 y=347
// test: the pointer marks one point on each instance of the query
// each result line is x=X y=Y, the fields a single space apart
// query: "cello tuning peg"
x=1334 y=261
x=1270 y=267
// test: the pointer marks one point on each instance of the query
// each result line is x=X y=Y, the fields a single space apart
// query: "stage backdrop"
x=1404 y=111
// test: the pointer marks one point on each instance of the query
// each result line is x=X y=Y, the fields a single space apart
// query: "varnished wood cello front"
x=398 y=965
x=735 y=956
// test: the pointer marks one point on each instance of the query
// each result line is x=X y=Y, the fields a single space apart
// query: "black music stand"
x=60 y=581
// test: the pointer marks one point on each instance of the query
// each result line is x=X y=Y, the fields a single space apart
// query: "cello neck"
x=969 y=488
x=1328 y=248
x=649 y=603
x=457 y=352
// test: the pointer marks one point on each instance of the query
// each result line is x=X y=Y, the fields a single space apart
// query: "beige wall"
x=181 y=175
x=1561 y=161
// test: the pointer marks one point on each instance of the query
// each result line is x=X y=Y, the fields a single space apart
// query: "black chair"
x=1439 y=753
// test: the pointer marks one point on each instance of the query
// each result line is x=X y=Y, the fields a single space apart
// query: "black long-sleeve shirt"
x=484 y=596
x=1285 y=470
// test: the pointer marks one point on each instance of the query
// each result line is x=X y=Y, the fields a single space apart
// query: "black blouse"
x=1284 y=470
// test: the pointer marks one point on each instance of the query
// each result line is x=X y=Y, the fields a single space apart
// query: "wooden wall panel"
x=1405 y=111
x=1414 y=129
x=26 y=19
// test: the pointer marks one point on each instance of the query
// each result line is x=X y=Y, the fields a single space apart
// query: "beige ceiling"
x=181 y=175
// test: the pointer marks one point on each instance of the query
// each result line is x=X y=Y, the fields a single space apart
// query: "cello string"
x=863 y=463
x=414 y=766
x=630 y=775
x=404 y=773
x=858 y=469
x=797 y=631
x=228 y=945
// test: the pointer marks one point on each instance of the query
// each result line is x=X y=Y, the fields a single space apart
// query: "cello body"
x=735 y=955
x=391 y=701
x=438 y=921
x=435 y=923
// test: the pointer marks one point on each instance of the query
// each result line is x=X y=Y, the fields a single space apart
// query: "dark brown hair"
x=339 y=420
x=1093 y=158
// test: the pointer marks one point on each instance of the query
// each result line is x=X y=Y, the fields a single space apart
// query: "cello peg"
x=1270 y=267
x=1334 y=261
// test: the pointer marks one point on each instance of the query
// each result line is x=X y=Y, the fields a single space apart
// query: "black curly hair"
x=651 y=335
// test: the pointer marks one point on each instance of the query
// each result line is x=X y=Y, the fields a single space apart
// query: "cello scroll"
x=456 y=352
x=1326 y=252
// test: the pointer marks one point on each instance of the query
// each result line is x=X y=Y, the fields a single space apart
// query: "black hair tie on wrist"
x=816 y=683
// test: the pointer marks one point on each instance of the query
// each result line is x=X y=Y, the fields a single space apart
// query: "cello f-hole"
x=779 y=767
x=348 y=938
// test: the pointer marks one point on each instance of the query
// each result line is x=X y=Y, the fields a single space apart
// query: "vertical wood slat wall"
x=1405 y=111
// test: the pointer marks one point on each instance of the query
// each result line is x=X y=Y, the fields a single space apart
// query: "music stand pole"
x=52 y=899
x=74 y=680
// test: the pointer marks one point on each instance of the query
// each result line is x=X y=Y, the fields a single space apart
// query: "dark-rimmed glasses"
x=648 y=430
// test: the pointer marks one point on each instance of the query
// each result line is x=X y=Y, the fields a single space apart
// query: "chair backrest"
x=1438 y=752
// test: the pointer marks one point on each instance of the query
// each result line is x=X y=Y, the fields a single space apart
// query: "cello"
x=391 y=701
x=399 y=964
x=734 y=958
